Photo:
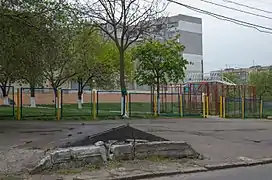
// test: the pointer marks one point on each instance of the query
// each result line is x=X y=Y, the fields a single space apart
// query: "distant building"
x=242 y=73
x=190 y=30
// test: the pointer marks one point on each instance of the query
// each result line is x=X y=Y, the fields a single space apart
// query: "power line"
x=262 y=2
x=247 y=6
x=225 y=18
x=235 y=9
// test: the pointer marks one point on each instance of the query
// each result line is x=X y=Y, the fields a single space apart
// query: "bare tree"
x=123 y=21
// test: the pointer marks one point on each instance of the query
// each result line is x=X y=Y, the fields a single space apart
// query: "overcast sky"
x=229 y=45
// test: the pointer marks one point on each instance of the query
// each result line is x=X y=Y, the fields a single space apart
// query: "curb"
x=160 y=174
x=212 y=167
x=206 y=168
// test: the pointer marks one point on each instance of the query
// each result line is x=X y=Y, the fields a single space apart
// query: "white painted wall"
x=190 y=27
x=196 y=67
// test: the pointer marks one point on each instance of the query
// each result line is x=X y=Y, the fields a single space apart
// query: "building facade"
x=190 y=30
x=242 y=74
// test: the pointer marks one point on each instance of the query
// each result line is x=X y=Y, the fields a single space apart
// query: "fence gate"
x=192 y=100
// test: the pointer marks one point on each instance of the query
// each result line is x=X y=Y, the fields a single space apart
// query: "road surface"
x=248 y=173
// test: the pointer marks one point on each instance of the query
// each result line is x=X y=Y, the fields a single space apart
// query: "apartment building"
x=190 y=30
x=242 y=73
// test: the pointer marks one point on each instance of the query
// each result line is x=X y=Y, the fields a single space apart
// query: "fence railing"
x=267 y=108
x=47 y=103
x=7 y=104
x=241 y=108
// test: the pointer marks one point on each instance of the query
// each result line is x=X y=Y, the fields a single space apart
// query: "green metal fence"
x=267 y=108
x=140 y=104
x=7 y=105
x=107 y=105
x=75 y=104
x=39 y=104
x=243 y=108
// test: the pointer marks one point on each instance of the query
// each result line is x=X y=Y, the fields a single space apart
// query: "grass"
x=71 y=111
x=112 y=111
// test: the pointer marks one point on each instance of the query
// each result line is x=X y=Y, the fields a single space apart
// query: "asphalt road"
x=249 y=173
x=220 y=141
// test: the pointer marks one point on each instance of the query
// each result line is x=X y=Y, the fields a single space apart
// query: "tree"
x=26 y=31
x=159 y=63
x=60 y=54
x=20 y=42
x=262 y=81
x=124 y=22
x=233 y=77
x=31 y=61
x=9 y=59
x=97 y=61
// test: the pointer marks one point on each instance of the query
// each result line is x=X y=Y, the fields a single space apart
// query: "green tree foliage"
x=9 y=53
x=60 y=54
x=263 y=82
x=159 y=63
x=22 y=33
x=233 y=92
x=124 y=22
x=233 y=77
x=30 y=30
x=96 y=61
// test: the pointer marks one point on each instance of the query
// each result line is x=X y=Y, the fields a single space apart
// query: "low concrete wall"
x=168 y=149
x=98 y=154
x=71 y=158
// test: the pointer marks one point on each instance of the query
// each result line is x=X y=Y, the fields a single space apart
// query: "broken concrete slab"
x=95 y=155
x=70 y=158
x=168 y=149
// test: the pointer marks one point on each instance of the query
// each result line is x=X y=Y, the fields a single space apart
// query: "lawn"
x=71 y=111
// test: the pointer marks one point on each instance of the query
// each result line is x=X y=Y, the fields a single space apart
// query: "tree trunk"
x=79 y=94
x=5 y=94
x=158 y=97
x=79 y=99
x=122 y=82
x=56 y=98
x=32 y=97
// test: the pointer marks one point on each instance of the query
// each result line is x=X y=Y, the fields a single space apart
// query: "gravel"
x=18 y=160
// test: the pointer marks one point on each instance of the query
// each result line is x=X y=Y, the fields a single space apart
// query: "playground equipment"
x=212 y=86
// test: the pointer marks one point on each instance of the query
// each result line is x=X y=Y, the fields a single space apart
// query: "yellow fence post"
x=261 y=109
x=220 y=107
x=18 y=113
x=204 y=105
x=58 y=104
x=243 y=108
x=127 y=104
x=181 y=105
x=94 y=104
x=155 y=105
x=207 y=106
x=224 y=107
